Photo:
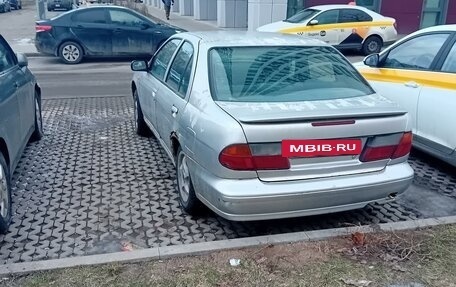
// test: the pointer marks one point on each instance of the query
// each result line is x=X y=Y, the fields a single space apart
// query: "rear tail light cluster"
x=43 y=28
x=377 y=149
x=253 y=157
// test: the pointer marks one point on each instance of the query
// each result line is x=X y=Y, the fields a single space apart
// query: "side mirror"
x=139 y=66
x=313 y=22
x=22 y=60
x=372 y=60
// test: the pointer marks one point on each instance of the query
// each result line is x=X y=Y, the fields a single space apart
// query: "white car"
x=343 y=26
x=419 y=73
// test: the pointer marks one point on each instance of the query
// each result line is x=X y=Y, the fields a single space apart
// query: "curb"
x=166 y=252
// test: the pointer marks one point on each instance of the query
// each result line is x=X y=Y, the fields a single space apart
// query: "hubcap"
x=4 y=198
x=70 y=53
x=39 y=121
x=183 y=177
x=373 y=46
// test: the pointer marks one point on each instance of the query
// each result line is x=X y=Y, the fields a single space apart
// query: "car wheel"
x=5 y=196
x=187 y=197
x=49 y=9
x=372 y=45
x=141 y=127
x=71 y=53
x=38 y=132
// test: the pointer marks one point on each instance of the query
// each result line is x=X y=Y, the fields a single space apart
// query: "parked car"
x=419 y=73
x=343 y=26
x=101 y=31
x=20 y=120
x=5 y=6
x=16 y=4
x=59 y=4
x=257 y=125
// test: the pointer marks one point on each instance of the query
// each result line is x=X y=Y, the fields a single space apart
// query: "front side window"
x=302 y=16
x=161 y=60
x=90 y=16
x=417 y=53
x=125 y=19
x=180 y=70
x=450 y=62
x=328 y=17
x=353 y=15
x=6 y=58
x=282 y=74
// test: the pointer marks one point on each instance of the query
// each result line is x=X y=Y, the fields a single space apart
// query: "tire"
x=371 y=45
x=5 y=196
x=141 y=127
x=38 y=132
x=71 y=53
x=49 y=9
x=187 y=197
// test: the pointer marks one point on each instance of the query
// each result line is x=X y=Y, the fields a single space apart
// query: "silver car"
x=264 y=126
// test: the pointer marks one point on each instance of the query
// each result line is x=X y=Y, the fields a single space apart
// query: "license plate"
x=57 y=5
x=317 y=148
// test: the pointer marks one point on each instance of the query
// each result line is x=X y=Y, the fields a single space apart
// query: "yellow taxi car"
x=343 y=26
x=419 y=73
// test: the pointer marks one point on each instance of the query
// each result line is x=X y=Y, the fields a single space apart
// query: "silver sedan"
x=263 y=126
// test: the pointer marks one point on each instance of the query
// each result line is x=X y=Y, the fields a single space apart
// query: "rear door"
x=437 y=105
x=132 y=35
x=354 y=28
x=10 y=117
x=92 y=30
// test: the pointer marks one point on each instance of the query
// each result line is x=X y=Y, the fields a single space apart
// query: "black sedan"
x=20 y=120
x=102 y=31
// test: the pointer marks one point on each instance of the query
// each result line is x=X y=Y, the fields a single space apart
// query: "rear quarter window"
x=282 y=74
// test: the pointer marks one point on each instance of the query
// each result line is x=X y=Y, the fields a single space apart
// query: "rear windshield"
x=302 y=16
x=282 y=74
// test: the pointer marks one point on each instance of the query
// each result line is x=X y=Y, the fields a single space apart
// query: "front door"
x=326 y=28
x=434 y=13
x=172 y=100
x=152 y=83
x=10 y=117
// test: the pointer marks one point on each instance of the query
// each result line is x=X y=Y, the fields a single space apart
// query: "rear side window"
x=125 y=19
x=179 y=73
x=353 y=15
x=161 y=60
x=90 y=16
x=282 y=74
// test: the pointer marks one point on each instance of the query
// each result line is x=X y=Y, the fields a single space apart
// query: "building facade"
x=411 y=15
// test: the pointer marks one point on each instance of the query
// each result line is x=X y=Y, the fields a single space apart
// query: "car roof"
x=338 y=6
x=450 y=28
x=252 y=38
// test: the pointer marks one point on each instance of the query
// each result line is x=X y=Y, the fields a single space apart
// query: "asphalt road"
x=94 y=78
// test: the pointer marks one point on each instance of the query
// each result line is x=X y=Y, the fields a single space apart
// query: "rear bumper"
x=252 y=199
x=45 y=43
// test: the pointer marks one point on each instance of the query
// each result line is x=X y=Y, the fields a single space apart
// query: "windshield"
x=282 y=74
x=302 y=16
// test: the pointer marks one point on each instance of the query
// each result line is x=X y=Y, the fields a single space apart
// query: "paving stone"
x=91 y=185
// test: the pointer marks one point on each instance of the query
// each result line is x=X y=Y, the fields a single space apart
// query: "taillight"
x=43 y=28
x=377 y=149
x=405 y=145
x=240 y=157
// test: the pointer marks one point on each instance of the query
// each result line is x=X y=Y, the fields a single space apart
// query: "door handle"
x=16 y=85
x=174 y=110
x=118 y=30
x=411 y=84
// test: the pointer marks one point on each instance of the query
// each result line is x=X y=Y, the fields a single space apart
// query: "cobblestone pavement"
x=93 y=186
